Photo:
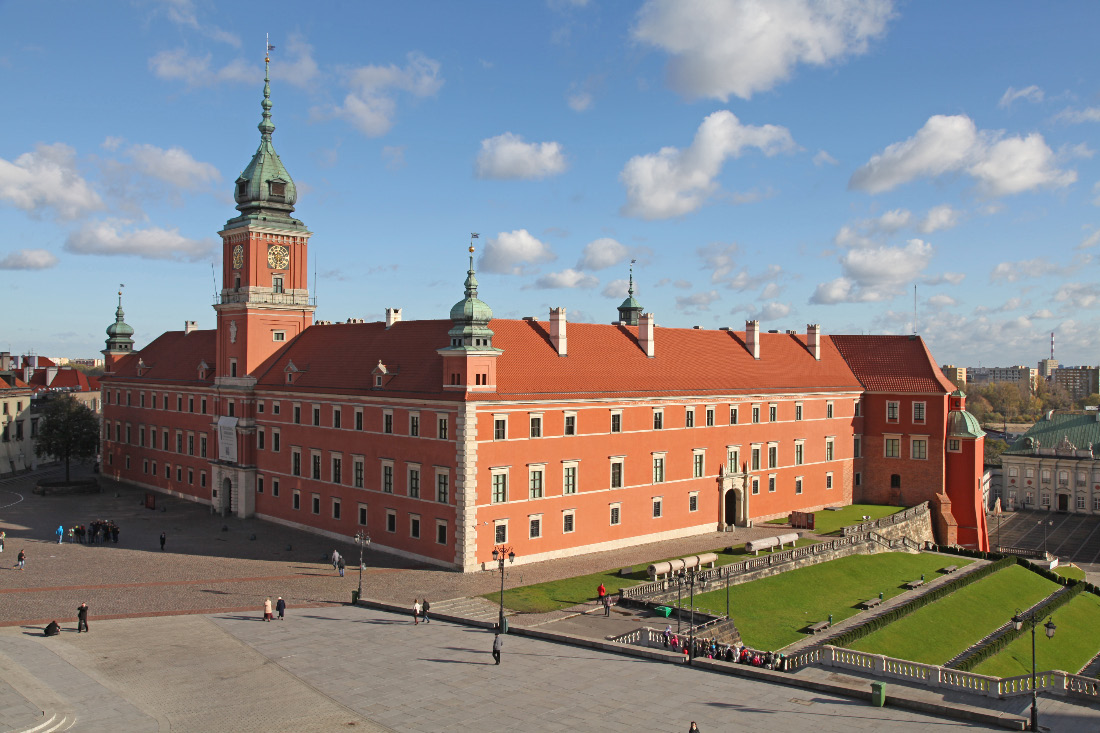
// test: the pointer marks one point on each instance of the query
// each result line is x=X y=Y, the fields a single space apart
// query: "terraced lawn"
x=1075 y=643
x=940 y=631
x=1070 y=571
x=830 y=522
x=558 y=594
x=770 y=613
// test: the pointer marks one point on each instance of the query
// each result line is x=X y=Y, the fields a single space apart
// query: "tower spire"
x=630 y=310
x=266 y=126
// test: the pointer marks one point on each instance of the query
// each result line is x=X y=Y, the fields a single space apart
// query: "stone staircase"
x=473 y=607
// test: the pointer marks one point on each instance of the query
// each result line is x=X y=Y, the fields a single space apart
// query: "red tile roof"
x=893 y=364
x=174 y=356
x=72 y=380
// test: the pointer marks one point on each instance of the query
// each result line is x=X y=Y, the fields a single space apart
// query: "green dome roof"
x=630 y=303
x=119 y=333
x=961 y=424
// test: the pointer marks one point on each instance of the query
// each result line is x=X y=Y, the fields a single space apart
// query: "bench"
x=626 y=572
x=819 y=626
x=871 y=603
x=949 y=569
x=914 y=584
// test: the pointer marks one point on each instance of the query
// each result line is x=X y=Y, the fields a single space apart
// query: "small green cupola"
x=119 y=333
x=960 y=423
x=264 y=190
x=471 y=317
x=630 y=310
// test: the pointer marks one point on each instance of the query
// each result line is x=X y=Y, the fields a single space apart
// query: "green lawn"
x=557 y=594
x=936 y=633
x=1070 y=571
x=828 y=522
x=770 y=613
x=1076 y=641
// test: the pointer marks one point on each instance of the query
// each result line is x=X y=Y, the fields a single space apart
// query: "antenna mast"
x=914 y=308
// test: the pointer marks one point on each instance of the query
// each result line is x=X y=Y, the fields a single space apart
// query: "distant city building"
x=16 y=425
x=1047 y=367
x=1079 y=381
x=995 y=375
x=1054 y=466
x=93 y=363
x=954 y=374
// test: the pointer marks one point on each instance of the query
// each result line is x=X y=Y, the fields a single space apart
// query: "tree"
x=67 y=429
x=993 y=450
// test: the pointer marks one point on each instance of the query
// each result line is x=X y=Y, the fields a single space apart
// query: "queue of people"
x=99 y=531
x=713 y=649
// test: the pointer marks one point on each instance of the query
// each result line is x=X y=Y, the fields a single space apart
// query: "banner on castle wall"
x=227 y=439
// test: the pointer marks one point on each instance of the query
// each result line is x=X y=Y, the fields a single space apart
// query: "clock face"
x=278 y=257
x=238 y=257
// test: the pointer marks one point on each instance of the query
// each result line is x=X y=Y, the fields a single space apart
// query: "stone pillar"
x=466 y=488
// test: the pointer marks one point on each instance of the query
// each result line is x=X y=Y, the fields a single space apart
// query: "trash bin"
x=354 y=597
x=878 y=694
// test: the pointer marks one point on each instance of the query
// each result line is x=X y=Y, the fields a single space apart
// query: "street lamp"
x=1047 y=523
x=363 y=540
x=1018 y=622
x=500 y=552
x=682 y=578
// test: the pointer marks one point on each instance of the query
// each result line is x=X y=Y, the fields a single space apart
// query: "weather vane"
x=269 y=49
x=473 y=236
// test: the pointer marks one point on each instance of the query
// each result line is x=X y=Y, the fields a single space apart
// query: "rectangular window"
x=697 y=465
x=275 y=440
x=414 y=483
x=710 y=417
x=857 y=446
x=772 y=411
x=295 y=462
x=316 y=416
x=798 y=485
x=771 y=484
x=755 y=459
x=337 y=417
x=204 y=406
x=918 y=412
x=859 y=478
x=500 y=488
x=828 y=480
x=315 y=501
x=536 y=426
x=535 y=484
x=689 y=418
x=441 y=531
x=190 y=442
x=616 y=422
x=362 y=515
x=798 y=453
x=500 y=428
x=274 y=485
x=798 y=411
x=658 y=470
x=414 y=526
x=442 y=487
x=414 y=424
x=260 y=439
x=387 y=478
x=569 y=480
x=615 y=515
x=756 y=413
x=693 y=501
x=358 y=419
x=773 y=456
x=919 y=449
x=357 y=472
x=829 y=410
x=858 y=408
x=297 y=414
x=296 y=499
x=657 y=508
x=570 y=424
x=179 y=442
x=828 y=449
x=335 y=508
x=892 y=411
x=893 y=447
x=391 y=520
x=441 y=427
x=500 y=533
x=733 y=460
x=658 y=419
x=387 y=422
x=337 y=470
x=190 y=404
x=536 y=528
x=567 y=525
x=756 y=486
x=733 y=416
x=617 y=474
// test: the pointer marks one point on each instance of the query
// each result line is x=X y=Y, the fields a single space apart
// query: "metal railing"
x=243 y=296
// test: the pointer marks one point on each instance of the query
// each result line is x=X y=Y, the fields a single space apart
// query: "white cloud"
x=579 y=101
x=175 y=166
x=1014 y=303
x=1042 y=313
x=616 y=289
x=507 y=156
x=112 y=143
x=875 y=274
x=182 y=12
x=1078 y=295
x=1090 y=241
x=696 y=301
x=940 y=300
x=823 y=158
x=952 y=278
x=953 y=144
x=47 y=180
x=111 y=237
x=742 y=47
x=197 y=71
x=28 y=259
x=1015 y=271
x=939 y=218
x=719 y=259
x=568 y=278
x=769 y=311
x=602 y=253
x=370 y=105
x=300 y=69
x=1027 y=94
x=510 y=251
x=394 y=155
x=673 y=182
x=1077 y=116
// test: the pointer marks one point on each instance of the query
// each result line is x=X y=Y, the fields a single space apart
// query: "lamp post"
x=1018 y=622
x=682 y=578
x=500 y=553
x=363 y=540
x=1047 y=523
x=679 y=587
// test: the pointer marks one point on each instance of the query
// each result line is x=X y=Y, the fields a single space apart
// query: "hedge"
x=846 y=639
x=1012 y=634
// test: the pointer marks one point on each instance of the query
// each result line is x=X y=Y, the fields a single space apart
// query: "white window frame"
x=799 y=452
x=540 y=470
x=773 y=480
x=924 y=412
x=710 y=419
x=895 y=407
x=658 y=456
x=531 y=418
x=658 y=507
x=499 y=524
x=565 y=466
x=531 y=519
x=419 y=527
x=913 y=440
x=615 y=511
x=565 y=422
x=611 y=424
x=500 y=417
x=689 y=417
x=446 y=532
x=621 y=460
x=383 y=464
x=693 y=498
x=362 y=514
x=658 y=418
x=798 y=411
x=798 y=485
x=733 y=456
x=698 y=462
x=337 y=508
x=409 y=468
x=886 y=445
x=829 y=481
x=570 y=514
x=493 y=473
x=391 y=521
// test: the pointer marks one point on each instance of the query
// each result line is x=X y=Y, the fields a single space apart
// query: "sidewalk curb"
x=944 y=710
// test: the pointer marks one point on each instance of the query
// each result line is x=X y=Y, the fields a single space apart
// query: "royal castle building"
x=445 y=438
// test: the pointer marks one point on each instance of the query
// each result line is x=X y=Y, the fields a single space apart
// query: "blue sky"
x=793 y=161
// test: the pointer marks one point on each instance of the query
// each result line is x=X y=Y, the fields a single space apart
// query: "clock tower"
x=264 y=301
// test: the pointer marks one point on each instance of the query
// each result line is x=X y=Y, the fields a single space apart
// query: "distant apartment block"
x=954 y=374
x=1047 y=367
x=1079 y=381
x=995 y=375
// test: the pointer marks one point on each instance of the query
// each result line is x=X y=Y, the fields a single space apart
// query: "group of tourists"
x=420 y=611
x=101 y=530
x=280 y=607
x=701 y=648
x=338 y=562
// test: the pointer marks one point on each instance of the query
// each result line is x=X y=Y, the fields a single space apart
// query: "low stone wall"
x=83 y=486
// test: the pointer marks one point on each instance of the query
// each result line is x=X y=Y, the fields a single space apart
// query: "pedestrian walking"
x=694 y=728
x=600 y=593
x=72 y=533
x=2 y=536
x=21 y=560
x=60 y=533
x=606 y=605
x=424 y=611
x=267 y=609
x=280 y=606
x=416 y=612
x=82 y=617
x=340 y=565
x=498 y=644
x=163 y=539
x=335 y=557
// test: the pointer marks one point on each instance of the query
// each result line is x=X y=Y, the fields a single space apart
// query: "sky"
x=874 y=166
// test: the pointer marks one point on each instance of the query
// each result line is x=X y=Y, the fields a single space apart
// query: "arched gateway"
x=733 y=502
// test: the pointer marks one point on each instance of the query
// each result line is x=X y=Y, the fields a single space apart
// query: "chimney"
x=813 y=339
x=393 y=315
x=189 y=326
x=645 y=333
x=5 y=361
x=51 y=374
x=28 y=372
x=557 y=330
x=752 y=338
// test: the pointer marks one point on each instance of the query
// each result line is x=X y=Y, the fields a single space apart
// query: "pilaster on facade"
x=466 y=488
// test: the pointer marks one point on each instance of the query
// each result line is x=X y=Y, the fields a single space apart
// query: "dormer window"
x=378 y=381
x=277 y=189
x=242 y=188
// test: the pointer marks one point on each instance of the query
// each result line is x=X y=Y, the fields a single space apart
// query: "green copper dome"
x=264 y=189
x=961 y=424
x=119 y=333
x=471 y=317
x=631 y=310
